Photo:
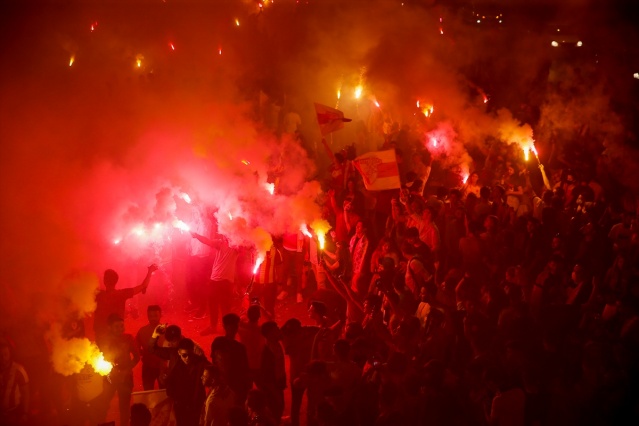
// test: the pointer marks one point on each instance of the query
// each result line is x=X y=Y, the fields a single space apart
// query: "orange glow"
x=322 y=240
x=358 y=91
x=101 y=365
x=526 y=154
x=339 y=94
x=441 y=30
x=376 y=103
x=72 y=60
x=246 y=162
x=465 y=178
x=219 y=51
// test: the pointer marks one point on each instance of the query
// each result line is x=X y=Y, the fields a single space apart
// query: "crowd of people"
x=509 y=299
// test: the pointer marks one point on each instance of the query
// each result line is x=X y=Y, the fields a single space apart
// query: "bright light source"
x=636 y=75
x=554 y=44
x=479 y=21
x=579 y=44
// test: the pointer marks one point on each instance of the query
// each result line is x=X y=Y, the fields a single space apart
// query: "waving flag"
x=379 y=170
x=330 y=119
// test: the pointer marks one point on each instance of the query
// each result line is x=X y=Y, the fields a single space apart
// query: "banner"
x=330 y=119
x=379 y=170
x=160 y=405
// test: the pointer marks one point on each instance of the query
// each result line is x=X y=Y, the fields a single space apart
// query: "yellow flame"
x=72 y=60
x=237 y=22
x=358 y=91
x=339 y=94
x=321 y=227
x=526 y=154
x=101 y=365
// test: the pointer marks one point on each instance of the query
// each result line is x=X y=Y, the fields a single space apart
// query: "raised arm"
x=147 y=279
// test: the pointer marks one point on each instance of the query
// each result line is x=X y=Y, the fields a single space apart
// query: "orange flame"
x=101 y=365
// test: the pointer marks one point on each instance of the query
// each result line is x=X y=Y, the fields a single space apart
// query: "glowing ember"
x=258 y=262
x=138 y=60
x=230 y=216
x=418 y=103
x=101 y=365
x=94 y=26
x=185 y=197
x=339 y=94
x=172 y=46
x=441 y=31
x=181 y=225
x=246 y=162
x=434 y=141
x=526 y=154
x=72 y=60
x=237 y=22
x=485 y=99
x=376 y=103
x=465 y=178
x=219 y=51
x=117 y=241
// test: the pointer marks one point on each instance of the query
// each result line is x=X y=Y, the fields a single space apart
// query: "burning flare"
x=72 y=60
x=181 y=225
x=321 y=227
x=270 y=187
x=304 y=230
x=258 y=263
x=101 y=365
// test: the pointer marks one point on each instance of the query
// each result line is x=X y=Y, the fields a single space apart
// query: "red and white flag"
x=330 y=119
x=379 y=170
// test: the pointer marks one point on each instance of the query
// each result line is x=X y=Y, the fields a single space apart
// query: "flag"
x=379 y=170
x=330 y=119
x=159 y=404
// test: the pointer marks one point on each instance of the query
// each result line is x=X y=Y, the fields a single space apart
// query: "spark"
x=465 y=178
x=441 y=31
x=219 y=51
x=237 y=22
x=636 y=75
x=72 y=60
x=376 y=103
x=230 y=216
x=117 y=241
x=94 y=25
x=485 y=99
x=434 y=142
x=246 y=162
x=339 y=94
x=172 y=46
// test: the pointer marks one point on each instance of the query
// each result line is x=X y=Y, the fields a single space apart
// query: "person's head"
x=317 y=311
x=254 y=313
x=140 y=415
x=411 y=235
x=185 y=348
x=154 y=314
x=116 y=324
x=490 y=223
x=484 y=192
x=231 y=323
x=256 y=402
x=417 y=205
x=211 y=376
x=271 y=331
x=360 y=229
x=578 y=274
x=473 y=178
x=173 y=334
x=110 y=279
x=429 y=214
